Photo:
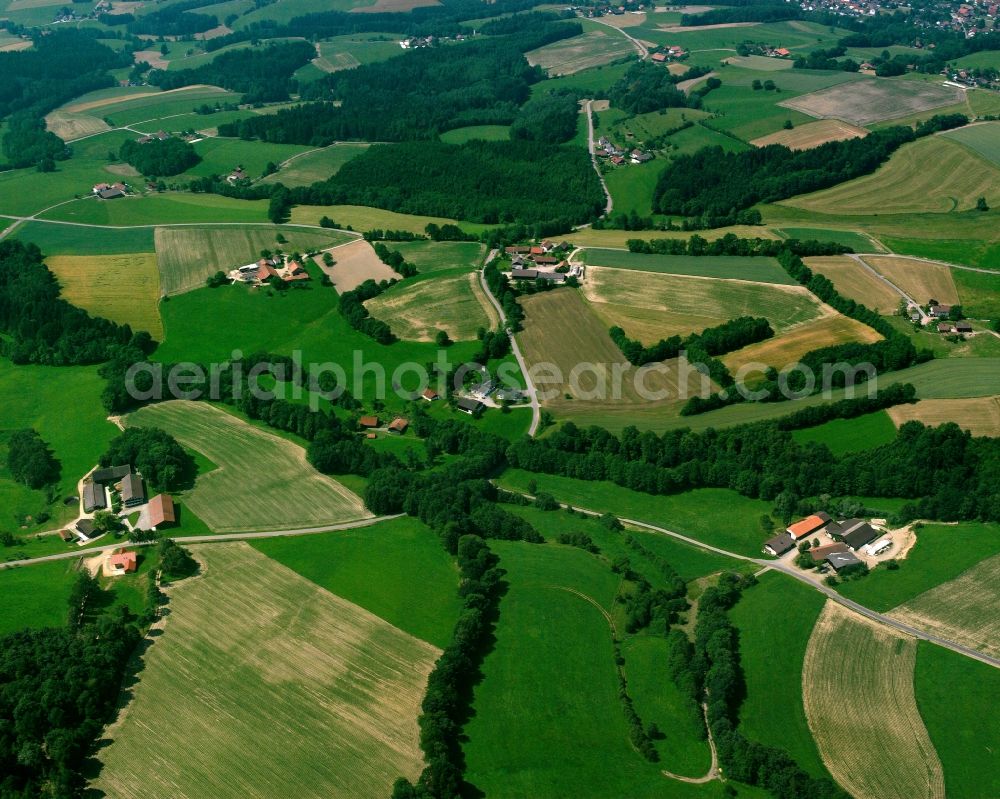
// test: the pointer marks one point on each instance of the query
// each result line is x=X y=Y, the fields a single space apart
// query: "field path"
x=610 y=204
x=713 y=770
x=639 y=46
x=926 y=261
x=799 y=575
x=912 y=303
x=536 y=411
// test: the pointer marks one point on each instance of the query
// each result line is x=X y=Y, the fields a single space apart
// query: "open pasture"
x=122 y=288
x=590 y=238
x=980 y=293
x=931 y=175
x=857 y=683
x=728 y=267
x=591 y=49
x=651 y=306
x=560 y=329
x=812 y=134
x=262 y=481
x=189 y=255
x=433 y=256
x=979 y=415
x=862 y=102
x=150 y=106
x=417 y=310
x=553 y=637
x=173 y=207
x=965 y=610
x=70 y=240
x=393 y=6
x=340 y=687
x=983 y=138
x=220 y=156
x=347 y=52
x=362 y=217
x=921 y=280
x=787 y=347
x=855 y=282
x=859 y=242
x=843 y=436
x=472 y=132
x=313 y=166
x=759 y=63
x=356 y=262
x=36 y=596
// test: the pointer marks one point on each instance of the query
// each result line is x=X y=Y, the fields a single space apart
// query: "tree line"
x=41 y=327
x=712 y=181
x=762 y=460
x=352 y=307
x=732 y=335
x=773 y=12
x=709 y=670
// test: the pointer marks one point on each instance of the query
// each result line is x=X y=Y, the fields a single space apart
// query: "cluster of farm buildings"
x=843 y=541
x=261 y=272
x=541 y=262
x=122 y=490
x=607 y=149
x=668 y=53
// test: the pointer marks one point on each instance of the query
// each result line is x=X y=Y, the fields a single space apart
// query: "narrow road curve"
x=206 y=539
x=639 y=46
x=610 y=204
x=536 y=410
x=713 y=770
x=791 y=571
x=912 y=303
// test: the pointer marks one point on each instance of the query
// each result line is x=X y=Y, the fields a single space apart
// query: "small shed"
x=368 y=421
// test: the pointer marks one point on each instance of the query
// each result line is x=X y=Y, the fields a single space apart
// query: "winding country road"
x=610 y=203
x=639 y=46
x=912 y=303
x=791 y=571
x=205 y=539
x=536 y=410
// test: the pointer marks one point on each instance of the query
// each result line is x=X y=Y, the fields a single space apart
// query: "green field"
x=850 y=435
x=775 y=620
x=159 y=209
x=762 y=270
x=980 y=293
x=432 y=256
x=942 y=552
x=347 y=52
x=715 y=516
x=313 y=166
x=64 y=405
x=71 y=240
x=241 y=495
x=550 y=642
x=36 y=596
x=632 y=186
x=188 y=255
x=950 y=691
x=983 y=139
x=848 y=238
x=591 y=81
x=361 y=218
x=248 y=639
x=484 y=132
x=416 y=588
x=221 y=156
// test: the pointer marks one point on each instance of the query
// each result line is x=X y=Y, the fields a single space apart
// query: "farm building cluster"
x=668 y=53
x=110 y=191
x=263 y=271
x=617 y=156
x=543 y=261
x=839 y=545
x=604 y=10
x=122 y=491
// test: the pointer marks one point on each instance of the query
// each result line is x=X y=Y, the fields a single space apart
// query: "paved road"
x=830 y=593
x=912 y=303
x=639 y=46
x=610 y=204
x=536 y=411
x=204 y=539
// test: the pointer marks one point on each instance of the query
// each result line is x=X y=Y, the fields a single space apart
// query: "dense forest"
x=261 y=74
x=159 y=157
x=647 y=87
x=42 y=327
x=712 y=181
x=481 y=181
x=550 y=118
x=175 y=20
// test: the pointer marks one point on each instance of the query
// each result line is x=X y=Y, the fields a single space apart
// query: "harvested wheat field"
x=650 y=306
x=677 y=28
x=593 y=48
x=393 y=6
x=812 y=134
x=261 y=481
x=857 y=687
x=862 y=102
x=416 y=311
x=69 y=127
x=263 y=684
x=965 y=610
x=355 y=263
x=570 y=353
x=122 y=288
x=855 y=282
x=919 y=279
x=930 y=175
x=198 y=89
x=979 y=415
x=786 y=348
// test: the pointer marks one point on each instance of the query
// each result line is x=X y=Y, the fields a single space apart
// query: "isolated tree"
x=30 y=460
x=981 y=204
x=441 y=339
